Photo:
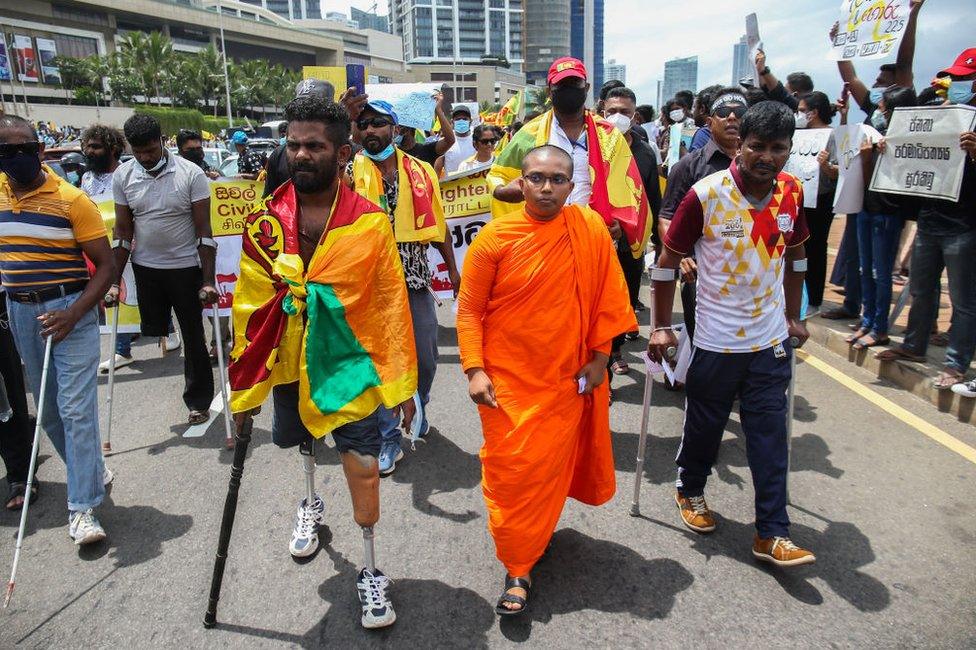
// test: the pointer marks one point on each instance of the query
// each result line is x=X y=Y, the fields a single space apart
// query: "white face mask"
x=620 y=121
x=677 y=115
x=801 y=120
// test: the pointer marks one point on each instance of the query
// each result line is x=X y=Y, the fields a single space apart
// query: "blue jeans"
x=847 y=266
x=123 y=344
x=957 y=253
x=877 y=240
x=70 y=415
x=424 y=315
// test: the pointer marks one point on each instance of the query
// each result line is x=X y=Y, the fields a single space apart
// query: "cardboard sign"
x=466 y=198
x=414 y=103
x=807 y=144
x=869 y=30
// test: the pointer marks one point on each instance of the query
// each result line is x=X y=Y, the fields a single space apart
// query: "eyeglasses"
x=539 y=180
x=724 y=111
x=491 y=141
x=376 y=122
x=31 y=148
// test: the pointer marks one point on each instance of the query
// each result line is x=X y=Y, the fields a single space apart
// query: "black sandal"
x=20 y=490
x=523 y=603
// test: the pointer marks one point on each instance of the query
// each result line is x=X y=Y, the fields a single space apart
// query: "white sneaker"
x=107 y=477
x=305 y=537
x=120 y=361
x=377 y=608
x=84 y=528
x=965 y=388
x=170 y=342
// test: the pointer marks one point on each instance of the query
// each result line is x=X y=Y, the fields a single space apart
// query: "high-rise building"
x=614 y=70
x=466 y=31
x=741 y=65
x=290 y=9
x=547 y=30
x=679 y=74
x=367 y=20
x=586 y=39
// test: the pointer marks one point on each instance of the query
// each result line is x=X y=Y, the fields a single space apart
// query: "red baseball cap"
x=565 y=67
x=965 y=64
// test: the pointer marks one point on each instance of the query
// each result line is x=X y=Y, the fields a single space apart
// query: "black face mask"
x=99 y=164
x=194 y=155
x=22 y=168
x=567 y=99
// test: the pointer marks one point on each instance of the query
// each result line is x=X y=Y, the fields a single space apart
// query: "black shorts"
x=288 y=430
x=161 y=291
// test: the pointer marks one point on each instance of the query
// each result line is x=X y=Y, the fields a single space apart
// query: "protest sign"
x=869 y=30
x=849 y=195
x=754 y=42
x=414 y=103
x=466 y=198
x=335 y=75
x=231 y=201
x=807 y=143
x=674 y=146
x=923 y=156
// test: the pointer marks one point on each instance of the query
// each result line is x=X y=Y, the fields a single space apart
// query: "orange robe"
x=537 y=298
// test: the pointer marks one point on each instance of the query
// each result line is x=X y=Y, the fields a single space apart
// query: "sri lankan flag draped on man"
x=340 y=328
x=618 y=192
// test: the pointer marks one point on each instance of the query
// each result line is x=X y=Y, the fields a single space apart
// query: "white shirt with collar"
x=578 y=149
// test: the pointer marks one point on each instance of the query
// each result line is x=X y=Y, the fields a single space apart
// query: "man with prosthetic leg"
x=320 y=313
x=746 y=228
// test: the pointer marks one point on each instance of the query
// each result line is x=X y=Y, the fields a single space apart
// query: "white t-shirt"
x=473 y=162
x=461 y=150
x=94 y=184
x=582 y=188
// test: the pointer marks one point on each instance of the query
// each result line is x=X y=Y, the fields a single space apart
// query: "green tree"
x=151 y=56
x=537 y=99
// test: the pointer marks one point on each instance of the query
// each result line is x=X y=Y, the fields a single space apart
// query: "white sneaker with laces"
x=84 y=528
x=120 y=362
x=966 y=388
x=171 y=342
x=377 y=607
x=305 y=536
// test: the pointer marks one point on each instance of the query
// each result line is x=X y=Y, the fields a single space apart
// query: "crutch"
x=794 y=343
x=31 y=470
x=227 y=520
x=107 y=440
x=671 y=353
x=215 y=314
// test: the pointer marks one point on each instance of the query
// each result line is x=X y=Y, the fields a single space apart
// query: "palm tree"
x=536 y=99
x=151 y=55
x=210 y=64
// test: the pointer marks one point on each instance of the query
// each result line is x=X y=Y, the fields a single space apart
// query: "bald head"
x=547 y=155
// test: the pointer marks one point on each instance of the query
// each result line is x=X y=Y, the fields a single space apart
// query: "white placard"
x=922 y=155
x=849 y=195
x=462 y=231
x=754 y=42
x=869 y=29
x=807 y=144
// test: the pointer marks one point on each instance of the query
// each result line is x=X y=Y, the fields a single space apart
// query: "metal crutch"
x=31 y=470
x=642 y=441
x=107 y=442
x=794 y=343
x=215 y=314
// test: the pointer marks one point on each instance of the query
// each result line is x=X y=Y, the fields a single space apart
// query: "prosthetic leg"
x=311 y=511
x=307 y=451
x=369 y=552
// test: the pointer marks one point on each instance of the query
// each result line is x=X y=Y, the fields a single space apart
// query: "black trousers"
x=819 y=221
x=16 y=436
x=159 y=291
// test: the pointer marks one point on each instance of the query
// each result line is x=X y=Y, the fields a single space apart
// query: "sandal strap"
x=521 y=583
x=511 y=598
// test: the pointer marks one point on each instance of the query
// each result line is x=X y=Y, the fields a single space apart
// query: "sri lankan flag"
x=510 y=110
x=618 y=192
x=341 y=328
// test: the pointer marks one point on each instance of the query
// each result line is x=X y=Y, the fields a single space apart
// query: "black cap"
x=318 y=87
x=460 y=108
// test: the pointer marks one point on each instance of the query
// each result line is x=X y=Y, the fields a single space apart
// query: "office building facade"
x=586 y=38
x=679 y=74
x=741 y=65
x=547 y=36
x=614 y=70
x=467 y=31
x=290 y=9
x=367 y=20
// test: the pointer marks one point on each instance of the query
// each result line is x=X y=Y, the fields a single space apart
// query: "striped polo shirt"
x=40 y=234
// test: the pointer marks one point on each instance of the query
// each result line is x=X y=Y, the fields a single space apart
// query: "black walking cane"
x=243 y=436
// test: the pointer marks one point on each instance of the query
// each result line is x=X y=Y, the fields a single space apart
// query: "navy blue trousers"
x=760 y=381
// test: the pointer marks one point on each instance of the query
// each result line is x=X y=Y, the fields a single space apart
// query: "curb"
x=916 y=378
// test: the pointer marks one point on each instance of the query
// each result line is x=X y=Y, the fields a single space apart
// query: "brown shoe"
x=781 y=551
x=695 y=513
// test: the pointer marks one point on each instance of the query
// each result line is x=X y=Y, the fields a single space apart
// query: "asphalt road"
x=889 y=512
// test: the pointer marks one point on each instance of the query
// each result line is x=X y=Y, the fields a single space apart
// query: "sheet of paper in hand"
x=923 y=156
x=869 y=30
x=849 y=195
x=414 y=103
x=755 y=44
x=807 y=143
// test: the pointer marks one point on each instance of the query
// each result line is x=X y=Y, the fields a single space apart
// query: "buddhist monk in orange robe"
x=542 y=297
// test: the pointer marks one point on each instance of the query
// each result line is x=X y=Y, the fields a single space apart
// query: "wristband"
x=800 y=266
x=664 y=275
x=122 y=243
x=764 y=71
x=663 y=327
x=207 y=241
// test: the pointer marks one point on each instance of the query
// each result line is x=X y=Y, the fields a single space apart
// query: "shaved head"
x=545 y=152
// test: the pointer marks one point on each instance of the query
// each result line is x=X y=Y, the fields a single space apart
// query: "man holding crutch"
x=746 y=228
x=46 y=225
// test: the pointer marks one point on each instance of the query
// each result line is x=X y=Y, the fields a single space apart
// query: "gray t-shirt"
x=165 y=237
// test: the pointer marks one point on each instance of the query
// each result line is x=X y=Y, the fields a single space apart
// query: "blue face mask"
x=282 y=140
x=961 y=92
x=875 y=95
x=398 y=140
x=879 y=121
x=381 y=156
x=72 y=177
x=462 y=126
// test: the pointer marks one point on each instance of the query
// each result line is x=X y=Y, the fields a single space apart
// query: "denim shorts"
x=288 y=430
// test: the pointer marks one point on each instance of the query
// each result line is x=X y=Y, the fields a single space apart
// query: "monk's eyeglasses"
x=539 y=180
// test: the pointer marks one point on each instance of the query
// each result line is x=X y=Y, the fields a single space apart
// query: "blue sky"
x=643 y=34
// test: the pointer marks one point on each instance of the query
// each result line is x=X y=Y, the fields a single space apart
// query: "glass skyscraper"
x=290 y=9
x=679 y=74
x=578 y=20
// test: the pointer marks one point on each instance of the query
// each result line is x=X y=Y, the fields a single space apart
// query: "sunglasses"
x=375 y=122
x=724 y=111
x=26 y=148
x=489 y=141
